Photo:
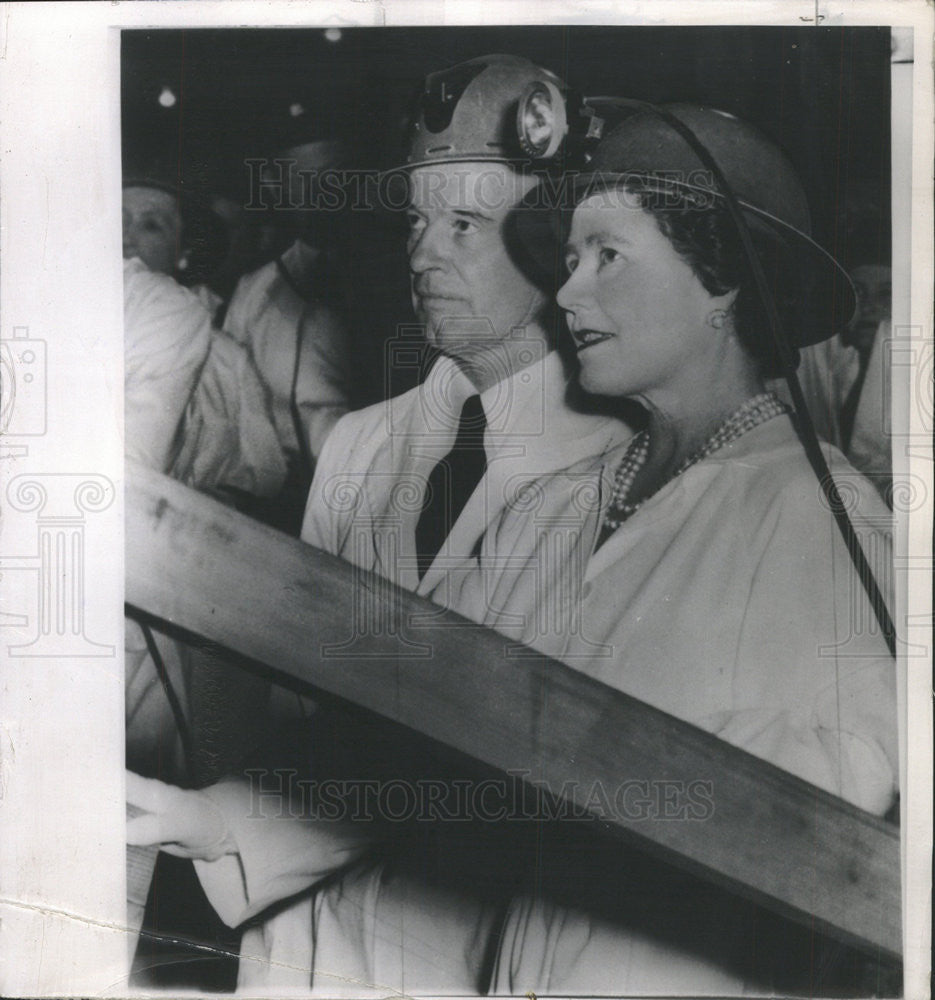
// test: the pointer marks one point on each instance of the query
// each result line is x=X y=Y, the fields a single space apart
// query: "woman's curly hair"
x=704 y=235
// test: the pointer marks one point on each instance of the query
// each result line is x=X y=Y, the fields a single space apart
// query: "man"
x=844 y=378
x=193 y=409
x=489 y=320
x=404 y=488
x=408 y=487
x=171 y=227
x=295 y=330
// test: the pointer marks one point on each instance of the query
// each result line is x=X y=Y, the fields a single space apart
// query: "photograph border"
x=62 y=809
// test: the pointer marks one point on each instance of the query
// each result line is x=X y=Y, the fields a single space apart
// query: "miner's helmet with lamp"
x=469 y=113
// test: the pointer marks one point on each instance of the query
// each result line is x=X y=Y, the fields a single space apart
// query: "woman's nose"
x=573 y=292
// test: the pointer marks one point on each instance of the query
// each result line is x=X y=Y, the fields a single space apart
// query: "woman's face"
x=636 y=311
x=152 y=228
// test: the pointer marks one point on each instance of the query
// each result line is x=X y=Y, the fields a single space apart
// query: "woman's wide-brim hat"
x=647 y=154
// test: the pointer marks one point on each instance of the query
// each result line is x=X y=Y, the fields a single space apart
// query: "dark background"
x=821 y=93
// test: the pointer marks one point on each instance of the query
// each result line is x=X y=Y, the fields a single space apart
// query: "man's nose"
x=427 y=248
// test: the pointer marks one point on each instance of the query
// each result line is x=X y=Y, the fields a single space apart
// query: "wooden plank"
x=770 y=836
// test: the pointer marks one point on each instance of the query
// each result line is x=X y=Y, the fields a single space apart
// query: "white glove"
x=184 y=823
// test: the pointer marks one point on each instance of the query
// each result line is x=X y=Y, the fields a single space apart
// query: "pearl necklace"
x=755 y=411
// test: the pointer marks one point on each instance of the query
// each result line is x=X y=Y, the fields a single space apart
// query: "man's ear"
x=184 y=261
x=184 y=251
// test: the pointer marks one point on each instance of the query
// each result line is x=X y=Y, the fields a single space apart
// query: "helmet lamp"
x=541 y=120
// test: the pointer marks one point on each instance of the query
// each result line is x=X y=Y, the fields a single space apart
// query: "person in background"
x=195 y=410
x=288 y=315
x=226 y=443
x=167 y=339
x=173 y=231
x=167 y=336
x=844 y=378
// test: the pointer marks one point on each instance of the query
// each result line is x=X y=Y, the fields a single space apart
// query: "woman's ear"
x=728 y=302
x=721 y=314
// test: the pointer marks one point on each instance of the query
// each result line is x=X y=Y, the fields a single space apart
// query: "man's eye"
x=464 y=226
x=416 y=223
x=608 y=255
x=570 y=264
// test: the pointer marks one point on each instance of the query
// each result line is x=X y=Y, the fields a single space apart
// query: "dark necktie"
x=451 y=483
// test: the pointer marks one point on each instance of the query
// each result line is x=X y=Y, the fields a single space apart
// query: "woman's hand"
x=184 y=823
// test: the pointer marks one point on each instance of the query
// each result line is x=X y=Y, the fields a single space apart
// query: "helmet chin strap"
x=787 y=356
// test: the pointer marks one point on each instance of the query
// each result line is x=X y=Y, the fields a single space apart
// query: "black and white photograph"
x=475 y=537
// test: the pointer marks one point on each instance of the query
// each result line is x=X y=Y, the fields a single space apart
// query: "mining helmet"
x=648 y=151
x=469 y=112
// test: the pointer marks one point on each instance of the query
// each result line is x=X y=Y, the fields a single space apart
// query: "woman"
x=694 y=567
x=704 y=573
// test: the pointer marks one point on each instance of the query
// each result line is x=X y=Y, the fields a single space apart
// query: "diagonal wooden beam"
x=769 y=836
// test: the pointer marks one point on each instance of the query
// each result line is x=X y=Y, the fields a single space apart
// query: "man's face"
x=465 y=286
x=152 y=228
x=873 y=284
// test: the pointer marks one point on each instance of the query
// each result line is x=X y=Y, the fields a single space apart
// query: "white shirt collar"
x=519 y=406
x=531 y=428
